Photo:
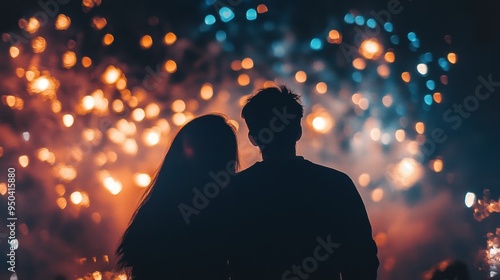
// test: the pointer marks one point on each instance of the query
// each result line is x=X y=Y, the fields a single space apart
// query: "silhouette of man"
x=286 y=217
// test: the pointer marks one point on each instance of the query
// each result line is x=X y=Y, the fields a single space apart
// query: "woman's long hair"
x=205 y=144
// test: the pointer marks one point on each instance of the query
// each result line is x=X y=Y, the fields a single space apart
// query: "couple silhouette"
x=282 y=218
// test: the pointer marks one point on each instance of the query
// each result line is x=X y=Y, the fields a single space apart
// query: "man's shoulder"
x=302 y=166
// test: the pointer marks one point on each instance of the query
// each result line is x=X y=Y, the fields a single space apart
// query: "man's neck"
x=277 y=155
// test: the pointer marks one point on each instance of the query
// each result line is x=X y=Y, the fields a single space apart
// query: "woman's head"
x=205 y=144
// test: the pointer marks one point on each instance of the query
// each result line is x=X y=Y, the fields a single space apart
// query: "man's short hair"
x=273 y=116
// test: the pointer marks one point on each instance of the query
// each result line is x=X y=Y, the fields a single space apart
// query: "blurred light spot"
x=130 y=147
x=444 y=79
x=262 y=9
x=226 y=14
x=169 y=38
x=389 y=57
x=371 y=48
x=152 y=110
x=334 y=37
x=247 y=63
x=470 y=199
x=179 y=119
x=322 y=124
x=357 y=77
x=236 y=65
x=62 y=22
x=68 y=120
x=111 y=75
x=405 y=76
x=387 y=100
x=321 y=88
x=151 y=137
x=443 y=63
x=377 y=194
x=76 y=198
x=356 y=98
x=206 y=91
x=14 y=52
x=364 y=103
x=243 y=80
x=26 y=136
x=96 y=218
x=420 y=127
x=395 y=39
x=349 y=18
x=32 y=26
x=428 y=99
x=60 y=189
x=359 y=63
x=437 y=165
x=86 y=61
x=61 y=202
x=108 y=39
x=113 y=186
x=142 y=179
x=428 y=57
x=117 y=106
x=359 y=20
x=220 y=35
x=24 y=160
x=388 y=27
x=400 y=135
x=99 y=23
x=138 y=114
x=412 y=36
x=251 y=14
x=452 y=58
x=178 y=106
x=437 y=97
x=371 y=23
x=38 y=44
x=68 y=59
x=383 y=71
x=9 y=100
x=430 y=84
x=422 y=68
x=170 y=66
x=209 y=20
x=375 y=134
x=405 y=173
x=380 y=239
x=56 y=106
x=364 y=179
x=146 y=42
x=316 y=44
x=300 y=76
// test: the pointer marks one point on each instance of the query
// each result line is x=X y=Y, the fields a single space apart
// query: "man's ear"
x=299 y=133
x=252 y=140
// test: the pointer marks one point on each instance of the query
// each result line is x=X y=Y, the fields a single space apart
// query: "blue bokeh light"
x=220 y=35
x=226 y=14
x=209 y=20
x=388 y=27
x=316 y=44
x=395 y=39
x=251 y=14
x=412 y=36
x=360 y=20
x=428 y=99
x=349 y=18
x=430 y=84
x=371 y=23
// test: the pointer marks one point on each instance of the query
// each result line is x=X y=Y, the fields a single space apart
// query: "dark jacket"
x=293 y=219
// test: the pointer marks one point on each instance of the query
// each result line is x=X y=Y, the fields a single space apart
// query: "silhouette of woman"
x=159 y=243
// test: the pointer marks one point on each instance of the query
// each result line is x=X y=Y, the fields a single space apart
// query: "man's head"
x=273 y=117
